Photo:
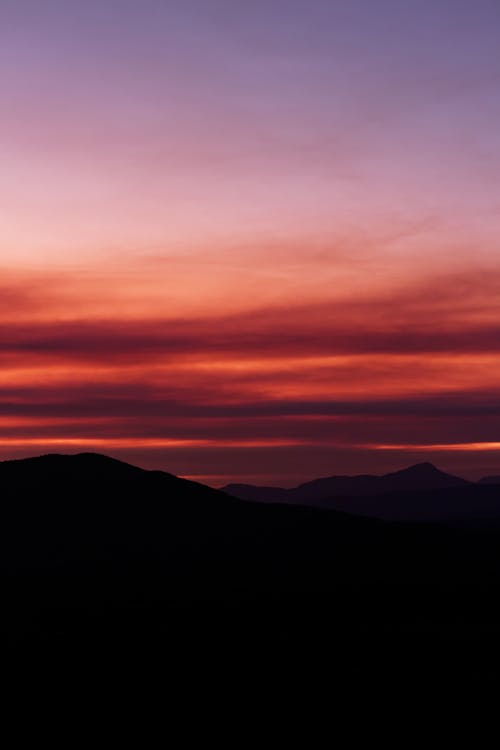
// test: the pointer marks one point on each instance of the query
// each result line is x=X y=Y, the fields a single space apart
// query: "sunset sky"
x=251 y=241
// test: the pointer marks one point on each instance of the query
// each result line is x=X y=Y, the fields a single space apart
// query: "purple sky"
x=251 y=240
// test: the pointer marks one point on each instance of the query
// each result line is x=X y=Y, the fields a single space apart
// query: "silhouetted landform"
x=490 y=480
x=422 y=476
x=100 y=557
x=418 y=493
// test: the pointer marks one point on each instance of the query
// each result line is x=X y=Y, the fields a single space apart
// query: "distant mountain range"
x=402 y=495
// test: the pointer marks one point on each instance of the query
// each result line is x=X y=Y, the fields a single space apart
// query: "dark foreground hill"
x=97 y=556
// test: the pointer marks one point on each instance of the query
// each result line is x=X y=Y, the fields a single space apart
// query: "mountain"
x=420 y=493
x=423 y=476
x=99 y=557
x=88 y=513
x=259 y=494
x=490 y=480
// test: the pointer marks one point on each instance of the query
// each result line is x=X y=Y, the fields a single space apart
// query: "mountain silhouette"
x=86 y=467
x=423 y=476
x=98 y=556
x=490 y=480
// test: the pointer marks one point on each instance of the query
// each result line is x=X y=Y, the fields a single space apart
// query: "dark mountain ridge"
x=420 y=477
x=98 y=554
x=490 y=480
x=86 y=467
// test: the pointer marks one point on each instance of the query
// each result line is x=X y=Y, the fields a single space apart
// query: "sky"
x=251 y=241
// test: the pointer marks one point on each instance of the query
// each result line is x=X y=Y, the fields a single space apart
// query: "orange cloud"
x=412 y=366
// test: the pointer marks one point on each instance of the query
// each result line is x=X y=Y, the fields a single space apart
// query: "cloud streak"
x=399 y=370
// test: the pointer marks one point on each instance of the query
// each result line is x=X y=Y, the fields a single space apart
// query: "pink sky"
x=252 y=243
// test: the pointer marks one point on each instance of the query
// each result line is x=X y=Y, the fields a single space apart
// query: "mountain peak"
x=424 y=467
x=85 y=466
x=421 y=476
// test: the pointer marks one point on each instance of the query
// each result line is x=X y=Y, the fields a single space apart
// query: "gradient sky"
x=251 y=241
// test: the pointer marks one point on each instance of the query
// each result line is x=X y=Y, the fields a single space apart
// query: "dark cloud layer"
x=110 y=340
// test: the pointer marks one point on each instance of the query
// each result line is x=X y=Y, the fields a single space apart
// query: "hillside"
x=100 y=555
